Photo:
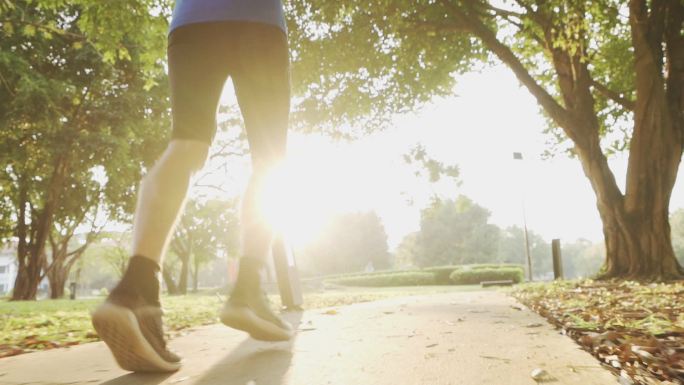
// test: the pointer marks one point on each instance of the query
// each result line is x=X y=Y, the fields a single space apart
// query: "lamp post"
x=519 y=156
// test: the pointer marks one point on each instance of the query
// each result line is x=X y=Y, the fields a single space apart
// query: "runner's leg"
x=130 y=321
x=260 y=75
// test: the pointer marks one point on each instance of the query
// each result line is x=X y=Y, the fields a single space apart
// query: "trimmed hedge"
x=475 y=276
x=436 y=275
x=443 y=273
x=390 y=279
x=496 y=266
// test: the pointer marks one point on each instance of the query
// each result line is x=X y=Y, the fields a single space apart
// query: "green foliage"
x=348 y=243
x=400 y=60
x=436 y=170
x=677 y=225
x=495 y=266
x=411 y=278
x=582 y=258
x=82 y=113
x=476 y=276
x=512 y=250
x=442 y=273
x=455 y=232
x=408 y=52
x=206 y=229
x=407 y=249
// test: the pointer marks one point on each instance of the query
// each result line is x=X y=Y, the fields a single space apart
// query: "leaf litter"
x=634 y=329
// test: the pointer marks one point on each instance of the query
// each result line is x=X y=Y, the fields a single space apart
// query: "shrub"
x=388 y=279
x=475 y=276
x=496 y=266
x=442 y=273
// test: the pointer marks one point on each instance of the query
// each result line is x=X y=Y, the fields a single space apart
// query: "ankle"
x=249 y=278
x=140 y=283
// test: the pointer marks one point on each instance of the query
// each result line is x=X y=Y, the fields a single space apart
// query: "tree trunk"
x=637 y=228
x=639 y=249
x=171 y=286
x=26 y=287
x=31 y=256
x=183 y=279
x=57 y=280
x=195 y=273
x=636 y=223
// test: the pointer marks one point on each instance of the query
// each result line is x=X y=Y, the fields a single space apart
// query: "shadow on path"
x=263 y=363
x=139 y=379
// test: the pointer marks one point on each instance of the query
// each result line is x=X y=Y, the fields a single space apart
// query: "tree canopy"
x=347 y=243
x=455 y=232
x=608 y=74
x=83 y=109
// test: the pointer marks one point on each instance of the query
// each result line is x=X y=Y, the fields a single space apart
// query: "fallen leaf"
x=507 y=360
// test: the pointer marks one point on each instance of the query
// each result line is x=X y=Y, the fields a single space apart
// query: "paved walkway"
x=456 y=338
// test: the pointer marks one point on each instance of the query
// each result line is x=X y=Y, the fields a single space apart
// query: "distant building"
x=8 y=269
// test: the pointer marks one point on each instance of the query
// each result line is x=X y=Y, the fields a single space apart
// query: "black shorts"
x=255 y=56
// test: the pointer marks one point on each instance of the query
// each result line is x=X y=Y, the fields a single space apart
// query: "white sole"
x=242 y=318
x=118 y=328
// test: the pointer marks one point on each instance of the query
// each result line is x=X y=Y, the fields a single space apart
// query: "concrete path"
x=456 y=338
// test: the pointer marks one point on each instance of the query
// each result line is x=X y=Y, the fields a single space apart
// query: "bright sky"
x=478 y=130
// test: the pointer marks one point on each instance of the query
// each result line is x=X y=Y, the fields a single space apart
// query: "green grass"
x=38 y=325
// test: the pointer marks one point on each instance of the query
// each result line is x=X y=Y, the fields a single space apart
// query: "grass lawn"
x=634 y=329
x=47 y=324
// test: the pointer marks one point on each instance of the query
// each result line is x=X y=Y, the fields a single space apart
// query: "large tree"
x=79 y=103
x=455 y=232
x=66 y=247
x=347 y=243
x=595 y=67
x=206 y=229
x=512 y=250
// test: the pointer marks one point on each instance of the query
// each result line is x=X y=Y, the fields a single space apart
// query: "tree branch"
x=614 y=96
x=557 y=112
x=674 y=52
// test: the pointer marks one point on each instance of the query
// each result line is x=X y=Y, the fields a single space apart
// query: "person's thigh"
x=198 y=68
x=261 y=76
